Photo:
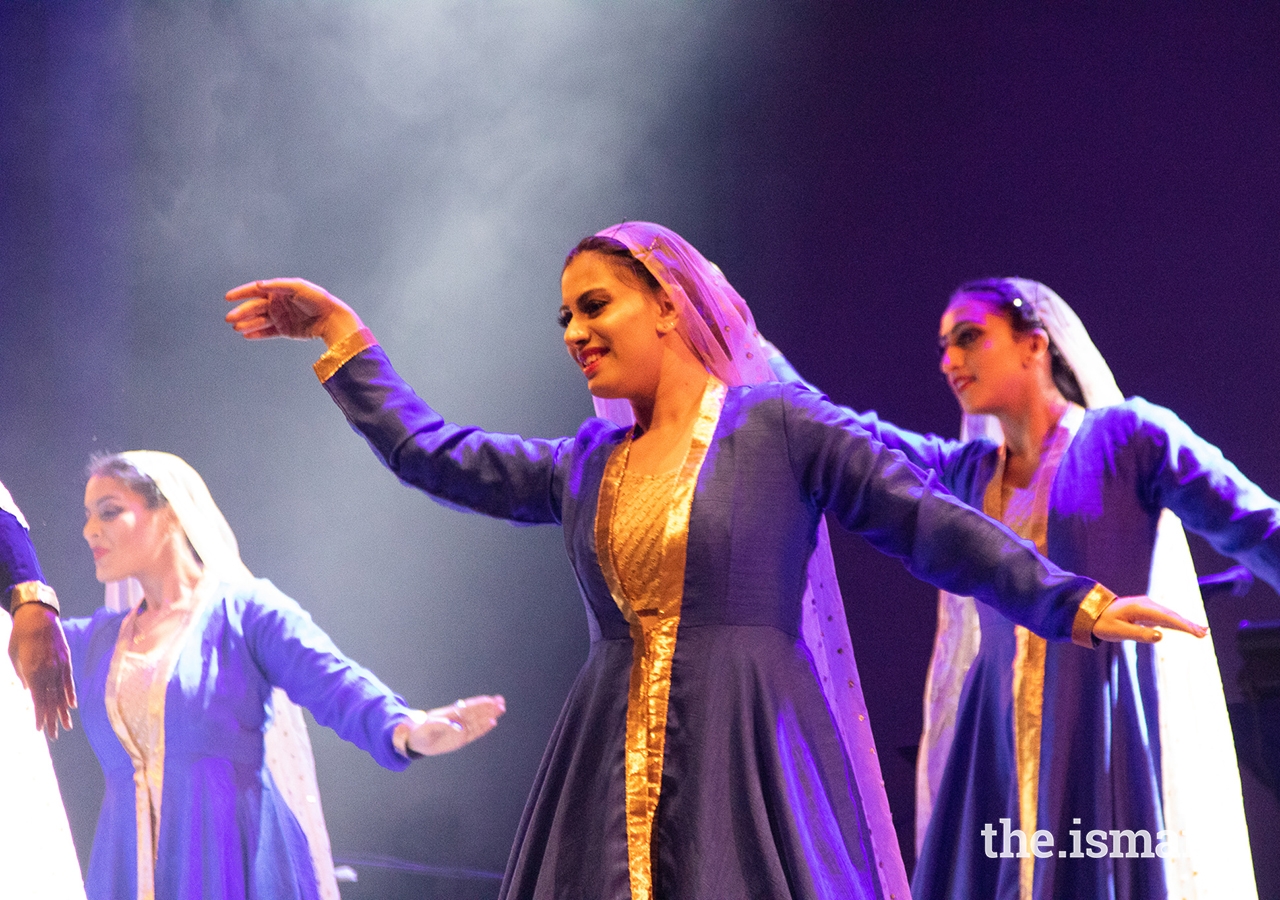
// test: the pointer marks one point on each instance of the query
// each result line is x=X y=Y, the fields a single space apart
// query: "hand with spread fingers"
x=1140 y=619
x=291 y=308
x=40 y=656
x=446 y=728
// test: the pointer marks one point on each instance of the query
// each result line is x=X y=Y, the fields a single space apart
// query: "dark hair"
x=1022 y=316
x=114 y=465
x=620 y=255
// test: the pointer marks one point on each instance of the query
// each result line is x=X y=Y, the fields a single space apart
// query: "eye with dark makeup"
x=962 y=337
x=590 y=306
x=108 y=513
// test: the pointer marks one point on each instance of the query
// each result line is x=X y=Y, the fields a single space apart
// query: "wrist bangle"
x=342 y=352
x=1091 y=607
x=33 y=592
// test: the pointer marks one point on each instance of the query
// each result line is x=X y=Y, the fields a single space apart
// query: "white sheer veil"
x=288 y=747
x=1200 y=776
x=718 y=325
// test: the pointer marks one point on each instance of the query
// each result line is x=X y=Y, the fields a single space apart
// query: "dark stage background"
x=846 y=164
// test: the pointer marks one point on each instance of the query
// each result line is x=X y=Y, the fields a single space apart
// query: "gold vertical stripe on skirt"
x=654 y=617
x=1029 y=655
x=1028 y=713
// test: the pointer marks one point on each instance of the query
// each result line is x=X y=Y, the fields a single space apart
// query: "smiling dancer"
x=715 y=743
x=1035 y=736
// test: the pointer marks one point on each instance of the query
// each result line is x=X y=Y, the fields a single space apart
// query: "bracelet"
x=33 y=592
x=342 y=352
x=1091 y=608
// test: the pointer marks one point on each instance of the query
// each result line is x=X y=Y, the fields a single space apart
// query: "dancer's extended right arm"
x=500 y=475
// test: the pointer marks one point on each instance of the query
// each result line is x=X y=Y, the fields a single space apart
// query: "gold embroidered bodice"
x=639 y=520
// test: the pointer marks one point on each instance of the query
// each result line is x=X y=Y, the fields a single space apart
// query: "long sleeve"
x=944 y=456
x=500 y=475
x=296 y=655
x=19 y=568
x=18 y=563
x=877 y=492
x=1191 y=477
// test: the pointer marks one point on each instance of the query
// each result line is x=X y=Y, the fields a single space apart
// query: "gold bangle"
x=33 y=592
x=341 y=353
x=1087 y=615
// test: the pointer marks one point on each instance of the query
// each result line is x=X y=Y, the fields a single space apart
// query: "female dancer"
x=177 y=692
x=1046 y=737
x=715 y=743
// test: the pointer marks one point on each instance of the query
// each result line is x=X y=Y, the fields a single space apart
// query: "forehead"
x=102 y=487
x=976 y=308
x=590 y=271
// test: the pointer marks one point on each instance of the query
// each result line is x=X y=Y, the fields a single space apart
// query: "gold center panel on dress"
x=147 y=683
x=1026 y=512
x=642 y=533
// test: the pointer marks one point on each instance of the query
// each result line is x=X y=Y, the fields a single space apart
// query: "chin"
x=604 y=391
x=970 y=408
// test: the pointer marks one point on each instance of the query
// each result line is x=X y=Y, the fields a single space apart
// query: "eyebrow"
x=956 y=327
x=589 y=293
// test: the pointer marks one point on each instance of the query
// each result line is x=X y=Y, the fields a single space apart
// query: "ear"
x=1035 y=347
x=170 y=523
x=668 y=315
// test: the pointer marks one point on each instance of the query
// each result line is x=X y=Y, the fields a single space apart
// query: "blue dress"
x=754 y=797
x=1100 y=754
x=225 y=832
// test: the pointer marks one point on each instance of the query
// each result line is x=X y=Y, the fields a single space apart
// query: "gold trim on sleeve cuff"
x=33 y=592
x=1091 y=608
x=341 y=353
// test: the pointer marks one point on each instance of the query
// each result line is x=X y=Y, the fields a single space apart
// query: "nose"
x=948 y=359
x=575 y=333
x=89 y=529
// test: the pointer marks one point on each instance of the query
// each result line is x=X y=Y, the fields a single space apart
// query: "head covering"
x=1200 y=778
x=1068 y=334
x=714 y=320
x=717 y=323
x=205 y=526
x=287 y=751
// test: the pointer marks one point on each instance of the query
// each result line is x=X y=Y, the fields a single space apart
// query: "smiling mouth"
x=961 y=382
x=589 y=359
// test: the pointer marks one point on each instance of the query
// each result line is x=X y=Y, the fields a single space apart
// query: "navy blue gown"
x=756 y=796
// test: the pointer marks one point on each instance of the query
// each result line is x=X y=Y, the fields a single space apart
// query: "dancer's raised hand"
x=292 y=308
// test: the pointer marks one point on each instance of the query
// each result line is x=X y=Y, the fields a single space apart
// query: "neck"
x=171 y=582
x=1025 y=430
x=677 y=398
